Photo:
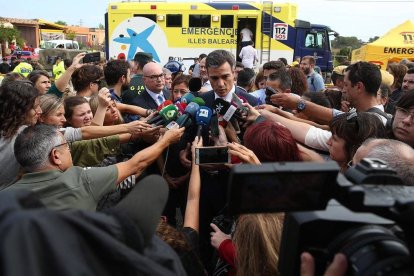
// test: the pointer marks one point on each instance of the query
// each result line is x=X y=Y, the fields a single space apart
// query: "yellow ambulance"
x=184 y=30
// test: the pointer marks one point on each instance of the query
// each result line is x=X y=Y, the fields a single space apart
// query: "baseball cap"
x=121 y=56
x=340 y=70
x=143 y=57
x=293 y=64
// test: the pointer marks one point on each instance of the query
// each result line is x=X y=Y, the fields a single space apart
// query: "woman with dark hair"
x=299 y=81
x=78 y=112
x=349 y=131
x=19 y=107
x=87 y=80
x=180 y=87
x=40 y=80
x=398 y=71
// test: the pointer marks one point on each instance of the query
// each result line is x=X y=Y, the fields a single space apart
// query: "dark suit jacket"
x=144 y=99
x=209 y=97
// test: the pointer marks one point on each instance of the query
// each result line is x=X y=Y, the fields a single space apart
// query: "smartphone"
x=92 y=57
x=269 y=92
x=172 y=125
x=212 y=155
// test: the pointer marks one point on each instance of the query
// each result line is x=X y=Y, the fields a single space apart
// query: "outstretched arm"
x=191 y=217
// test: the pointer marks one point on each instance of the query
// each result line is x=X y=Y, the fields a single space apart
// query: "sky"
x=361 y=18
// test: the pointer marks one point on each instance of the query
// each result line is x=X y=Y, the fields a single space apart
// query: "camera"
x=366 y=213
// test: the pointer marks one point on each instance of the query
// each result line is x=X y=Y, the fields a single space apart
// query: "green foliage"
x=8 y=34
x=70 y=35
x=101 y=26
x=60 y=22
x=372 y=39
x=346 y=41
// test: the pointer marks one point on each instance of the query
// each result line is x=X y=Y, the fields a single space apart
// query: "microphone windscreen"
x=169 y=113
x=199 y=101
x=187 y=98
x=221 y=106
x=203 y=116
x=181 y=107
x=194 y=84
x=164 y=104
x=192 y=109
x=184 y=120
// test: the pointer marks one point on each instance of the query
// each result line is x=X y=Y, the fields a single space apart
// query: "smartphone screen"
x=212 y=155
x=92 y=57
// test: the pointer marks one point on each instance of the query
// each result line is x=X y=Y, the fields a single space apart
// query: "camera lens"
x=372 y=250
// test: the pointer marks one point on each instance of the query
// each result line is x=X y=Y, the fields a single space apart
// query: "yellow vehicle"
x=180 y=30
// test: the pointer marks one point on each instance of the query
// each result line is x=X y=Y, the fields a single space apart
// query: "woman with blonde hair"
x=257 y=241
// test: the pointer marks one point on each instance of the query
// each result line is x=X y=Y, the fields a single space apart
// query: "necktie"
x=160 y=99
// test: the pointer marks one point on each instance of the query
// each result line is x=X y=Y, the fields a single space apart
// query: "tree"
x=60 y=22
x=8 y=35
x=341 y=42
x=372 y=39
x=101 y=26
x=70 y=35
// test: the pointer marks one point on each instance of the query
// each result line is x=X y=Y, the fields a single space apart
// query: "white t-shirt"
x=248 y=54
x=247 y=35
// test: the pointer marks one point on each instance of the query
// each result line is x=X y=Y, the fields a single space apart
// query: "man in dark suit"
x=220 y=66
x=154 y=93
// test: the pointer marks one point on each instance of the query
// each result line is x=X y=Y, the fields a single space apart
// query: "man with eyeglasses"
x=154 y=93
x=45 y=158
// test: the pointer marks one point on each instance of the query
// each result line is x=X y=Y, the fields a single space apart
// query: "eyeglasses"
x=66 y=143
x=155 y=77
x=98 y=82
x=403 y=113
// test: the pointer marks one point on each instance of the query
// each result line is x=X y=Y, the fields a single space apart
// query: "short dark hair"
x=219 y=57
x=410 y=71
x=284 y=78
x=318 y=98
x=356 y=129
x=407 y=100
x=273 y=65
x=84 y=75
x=367 y=73
x=311 y=59
x=239 y=64
x=284 y=61
x=246 y=77
x=114 y=70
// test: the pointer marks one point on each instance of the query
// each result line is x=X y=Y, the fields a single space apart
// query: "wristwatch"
x=301 y=106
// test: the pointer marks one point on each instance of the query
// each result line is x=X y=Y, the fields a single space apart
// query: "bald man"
x=154 y=93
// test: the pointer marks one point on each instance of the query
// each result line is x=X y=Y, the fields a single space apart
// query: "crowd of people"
x=100 y=139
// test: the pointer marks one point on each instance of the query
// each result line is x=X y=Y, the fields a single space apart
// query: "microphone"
x=199 y=101
x=187 y=123
x=239 y=103
x=194 y=84
x=187 y=98
x=168 y=114
x=189 y=112
x=157 y=118
x=181 y=107
x=164 y=104
x=203 y=118
x=225 y=109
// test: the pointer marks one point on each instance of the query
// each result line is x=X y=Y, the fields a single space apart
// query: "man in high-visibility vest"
x=58 y=68
x=23 y=67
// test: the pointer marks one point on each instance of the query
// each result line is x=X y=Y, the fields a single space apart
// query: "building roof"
x=19 y=21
